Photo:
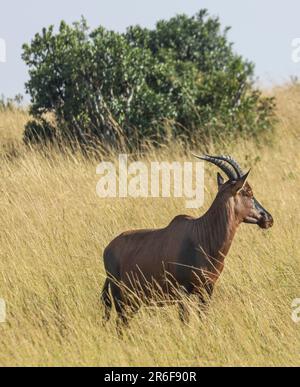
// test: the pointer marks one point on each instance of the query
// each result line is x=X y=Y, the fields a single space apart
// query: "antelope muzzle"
x=265 y=219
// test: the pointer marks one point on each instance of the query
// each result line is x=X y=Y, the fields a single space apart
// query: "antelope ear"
x=220 y=180
x=239 y=184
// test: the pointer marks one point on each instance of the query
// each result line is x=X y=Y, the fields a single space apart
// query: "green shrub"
x=109 y=86
x=39 y=132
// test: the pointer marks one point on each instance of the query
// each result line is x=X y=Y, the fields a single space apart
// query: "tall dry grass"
x=54 y=229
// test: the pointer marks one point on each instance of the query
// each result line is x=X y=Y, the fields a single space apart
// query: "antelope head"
x=247 y=208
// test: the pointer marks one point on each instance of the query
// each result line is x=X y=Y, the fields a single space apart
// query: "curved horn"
x=231 y=174
x=235 y=165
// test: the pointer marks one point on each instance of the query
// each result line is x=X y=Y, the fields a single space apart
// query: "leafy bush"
x=39 y=132
x=182 y=75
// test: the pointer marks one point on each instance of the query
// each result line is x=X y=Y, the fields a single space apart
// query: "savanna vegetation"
x=180 y=86
x=183 y=79
x=54 y=229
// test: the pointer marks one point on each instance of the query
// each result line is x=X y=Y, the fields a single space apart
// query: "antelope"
x=188 y=254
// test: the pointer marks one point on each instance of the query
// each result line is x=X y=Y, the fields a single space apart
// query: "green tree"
x=88 y=85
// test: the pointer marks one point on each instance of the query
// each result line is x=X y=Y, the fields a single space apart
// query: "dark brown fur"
x=188 y=255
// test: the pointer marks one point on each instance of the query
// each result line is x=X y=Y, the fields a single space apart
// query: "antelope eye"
x=247 y=194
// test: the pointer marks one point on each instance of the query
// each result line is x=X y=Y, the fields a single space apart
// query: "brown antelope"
x=188 y=254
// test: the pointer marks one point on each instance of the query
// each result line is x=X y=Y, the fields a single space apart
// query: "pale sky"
x=262 y=30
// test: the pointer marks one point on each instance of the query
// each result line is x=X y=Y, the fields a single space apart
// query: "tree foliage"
x=100 y=84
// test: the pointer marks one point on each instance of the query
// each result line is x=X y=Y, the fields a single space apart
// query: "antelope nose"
x=265 y=215
x=268 y=218
x=271 y=220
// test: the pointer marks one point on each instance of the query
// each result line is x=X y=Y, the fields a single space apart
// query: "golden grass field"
x=54 y=229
